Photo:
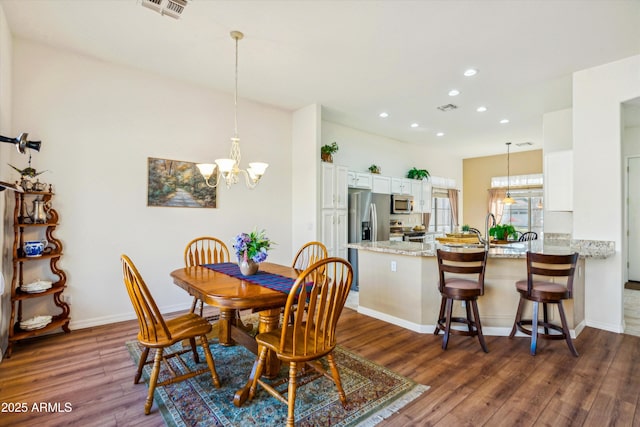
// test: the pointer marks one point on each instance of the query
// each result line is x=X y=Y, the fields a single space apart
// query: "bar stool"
x=544 y=289
x=455 y=286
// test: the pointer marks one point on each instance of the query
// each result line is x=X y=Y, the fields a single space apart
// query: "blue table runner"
x=272 y=281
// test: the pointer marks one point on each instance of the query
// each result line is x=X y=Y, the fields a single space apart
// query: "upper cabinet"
x=401 y=185
x=334 y=186
x=381 y=184
x=359 y=180
x=558 y=181
x=421 y=191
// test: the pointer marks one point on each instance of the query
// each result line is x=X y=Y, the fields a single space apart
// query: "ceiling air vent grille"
x=172 y=8
x=524 y=144
x=447 y=107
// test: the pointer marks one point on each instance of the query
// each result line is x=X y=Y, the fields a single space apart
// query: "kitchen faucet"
x=486 y=238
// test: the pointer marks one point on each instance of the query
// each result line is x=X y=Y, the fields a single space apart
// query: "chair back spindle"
x=309 y=253
x=322 y=289
x=150 y=320
x=205 y=250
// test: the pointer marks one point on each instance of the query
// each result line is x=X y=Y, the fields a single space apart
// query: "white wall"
x=557 y=134
x=598 y=180
x=305 y=169
x=99 y=122
x=6 y=61
x=359 y=149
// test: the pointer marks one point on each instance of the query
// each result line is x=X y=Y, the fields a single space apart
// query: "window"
x=441 y=219
x=526 y=214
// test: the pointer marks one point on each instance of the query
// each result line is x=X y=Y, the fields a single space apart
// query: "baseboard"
x=122 y=317
x=497 y=331
x=423 y=329
x=619 y=329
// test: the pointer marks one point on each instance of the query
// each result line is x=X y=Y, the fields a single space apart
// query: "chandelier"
x=508 y=200
x=228 y=170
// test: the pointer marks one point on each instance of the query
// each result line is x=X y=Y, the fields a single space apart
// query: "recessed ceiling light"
x=384 y=115
x=470 y=72
x=440 y=134
x=504 y=121
x=481 y=109
x=454 y=92
x=414 y=125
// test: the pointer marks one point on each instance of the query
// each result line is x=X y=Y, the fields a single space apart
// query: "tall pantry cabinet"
x=334 y=206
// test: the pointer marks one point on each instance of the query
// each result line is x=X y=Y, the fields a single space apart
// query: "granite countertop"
x=586 y=248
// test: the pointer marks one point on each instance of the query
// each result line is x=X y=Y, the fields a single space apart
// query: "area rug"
x=373 y=393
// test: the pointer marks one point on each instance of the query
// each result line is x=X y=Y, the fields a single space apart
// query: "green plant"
x=329 y=148
x=502 y=231
x=465 y=227
x=415 y=173
x=252 y=246
x=374 y=169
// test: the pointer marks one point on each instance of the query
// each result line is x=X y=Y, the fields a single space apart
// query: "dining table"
x=223 y=286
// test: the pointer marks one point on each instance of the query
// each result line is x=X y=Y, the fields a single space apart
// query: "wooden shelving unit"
x=23 y=224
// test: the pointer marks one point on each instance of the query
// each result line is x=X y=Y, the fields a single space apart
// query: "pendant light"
x=508 y=200
x=229 y=169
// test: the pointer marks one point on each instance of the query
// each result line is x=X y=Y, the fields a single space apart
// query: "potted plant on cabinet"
x=326 y=152
x=415 y=173
x=374 y=169
x=502 y=231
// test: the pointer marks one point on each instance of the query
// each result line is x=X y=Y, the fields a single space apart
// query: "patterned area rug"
x=373 y=393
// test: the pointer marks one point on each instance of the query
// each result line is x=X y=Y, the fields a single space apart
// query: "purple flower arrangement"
x=253 y=246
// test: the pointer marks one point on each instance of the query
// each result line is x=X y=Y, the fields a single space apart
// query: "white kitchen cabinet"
x=401 y=185
x=359 y=180
x=334 y=186
x=421 y=192
x=334 y=209
x=381 y=184
x=558 y=181
x=334 y=232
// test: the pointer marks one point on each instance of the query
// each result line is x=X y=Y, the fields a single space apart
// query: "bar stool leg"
x=476 y=316
x=565 y=329
x=470 y=322
x=445 y=339
x=534 y=329
x=545 y=317
x=518 y=318
x=440 y=316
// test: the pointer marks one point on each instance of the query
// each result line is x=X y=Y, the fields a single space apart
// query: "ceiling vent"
x=524 y=144
x=447 y=107
x=172 y=8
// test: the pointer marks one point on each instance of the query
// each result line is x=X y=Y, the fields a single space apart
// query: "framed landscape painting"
x=174 y=183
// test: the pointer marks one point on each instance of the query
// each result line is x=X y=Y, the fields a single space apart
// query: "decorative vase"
x=248 y=267
x=326 y=157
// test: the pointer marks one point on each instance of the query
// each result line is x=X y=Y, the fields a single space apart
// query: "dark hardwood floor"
x=91 y=370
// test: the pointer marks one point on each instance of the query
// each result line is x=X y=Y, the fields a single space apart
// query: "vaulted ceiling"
x=360 y=58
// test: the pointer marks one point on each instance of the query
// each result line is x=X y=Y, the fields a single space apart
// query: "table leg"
x=227 y=316
x=269 y=320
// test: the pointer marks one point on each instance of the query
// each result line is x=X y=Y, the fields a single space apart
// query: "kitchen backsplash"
x=408 y=220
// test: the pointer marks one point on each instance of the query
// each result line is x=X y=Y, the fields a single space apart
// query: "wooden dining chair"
x=158 y=333
x=204 y=250
x=549 y=281
x=461 y=279
x=309 y=253
x=322 y=289
x=528 y=236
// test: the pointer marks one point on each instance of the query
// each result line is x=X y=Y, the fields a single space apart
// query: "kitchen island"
x=398 y=282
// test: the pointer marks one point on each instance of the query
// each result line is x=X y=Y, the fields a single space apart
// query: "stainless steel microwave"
x=401 y=204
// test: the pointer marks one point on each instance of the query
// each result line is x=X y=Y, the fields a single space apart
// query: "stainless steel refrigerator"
x=369 y=215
